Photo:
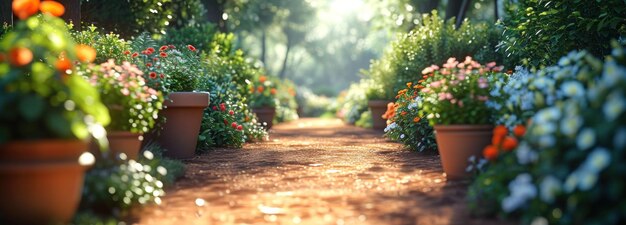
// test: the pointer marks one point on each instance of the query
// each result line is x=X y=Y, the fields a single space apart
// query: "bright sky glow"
x=345 y=6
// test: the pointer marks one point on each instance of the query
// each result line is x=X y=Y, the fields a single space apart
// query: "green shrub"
x=108 y=46
x=536 y=31
x=128 y=18
x=200 y=35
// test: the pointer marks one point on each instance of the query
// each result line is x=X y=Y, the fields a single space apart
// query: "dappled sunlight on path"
x=313 y=171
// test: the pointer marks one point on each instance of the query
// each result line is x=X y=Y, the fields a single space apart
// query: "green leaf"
x=59 y=125
x=31 y=107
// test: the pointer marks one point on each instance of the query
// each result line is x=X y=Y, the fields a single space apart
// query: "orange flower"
x=490 y=153
x=52 y=7
x=260 y=89
x=25 y=8
x=391 y=111
x=403 y=113
x=63 y=65
x=500 y=130
x=519 y=130
x=20 y=56
x=85 y=53
x=262 y=79
x=509 y=143
x=496 y=140
x=273 y=91
x=251 y=89
x=416 y=119
x=409 y=84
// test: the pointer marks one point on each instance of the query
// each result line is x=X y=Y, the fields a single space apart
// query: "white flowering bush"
x=569 y=166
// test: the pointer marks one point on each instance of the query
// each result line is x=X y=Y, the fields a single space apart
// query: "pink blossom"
x=435 y=84
x=468 y=59
x=427 y=70
x=482 y=83
x=491 y=65
x=461 y=76
x=483 y=98
x=460 y=104
x=461 y=65
x=425 y=90
x=125 y=91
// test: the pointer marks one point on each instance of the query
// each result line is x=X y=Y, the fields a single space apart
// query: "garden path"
x=314 y=171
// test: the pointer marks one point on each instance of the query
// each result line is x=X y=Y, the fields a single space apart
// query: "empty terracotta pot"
x=457 y=143
x=124 y=142
x=378 y=108
x=265 y=115
x=183 y=116
x=41 y=181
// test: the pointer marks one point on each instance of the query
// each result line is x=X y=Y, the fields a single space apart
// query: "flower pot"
x=457 y=143
x=124 y=142
x=41 y=181
x=265 y=115
x=378 y=108
x=183 y=116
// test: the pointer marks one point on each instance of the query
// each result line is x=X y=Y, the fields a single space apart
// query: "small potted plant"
x=454 y=102
x=46 y=116
x=379 y=104
x=175 y=71
x=134 y=107
x=263 y=101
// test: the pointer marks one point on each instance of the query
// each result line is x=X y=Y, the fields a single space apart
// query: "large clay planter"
x=378 y=108
x=124 y=142
x=40 y=181
x=183 y=117
x=265 y=115
x=457 y=143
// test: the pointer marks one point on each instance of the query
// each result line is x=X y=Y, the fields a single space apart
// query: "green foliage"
x=313 y=105
x=263 y=92
x=365 y=120
x=286 y=109
x=353 y=102
x=536 y=31
x=36 y=100
x=201 y=35
x=128 y=18
x=167 y=68
x=572 y=151
x=133 y=105
x=187 y=13
x=4 y=29
x=430 y=42
x=108 y=46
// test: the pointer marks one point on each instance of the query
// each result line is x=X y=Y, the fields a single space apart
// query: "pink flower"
x=461 y=76
x=482 y=83
x=239 y=127
x=460 y=104
x=125 y=91
x=468 y=60
x=435 y=84
x=234 y=125
x=231 y=112
x=460 y=65
x=427 y=70
x=491 y=65
x=483 y=98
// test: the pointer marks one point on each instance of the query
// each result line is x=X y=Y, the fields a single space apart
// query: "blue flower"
x=586 y=138
x=573 y=89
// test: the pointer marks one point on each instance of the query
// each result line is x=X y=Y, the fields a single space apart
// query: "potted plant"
x=46 y=115
x=175 y=71
x=378 y=103
x=263 y=100
x=454 y=102
x=134 y=106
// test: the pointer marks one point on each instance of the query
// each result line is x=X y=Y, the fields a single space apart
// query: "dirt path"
x=314 y=171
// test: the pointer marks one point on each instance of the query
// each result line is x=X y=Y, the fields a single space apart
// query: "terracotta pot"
x=124 y=142
x=183 y=117
x=457 y=143
x=265 y=115
x=40 y=181
x=378 y=108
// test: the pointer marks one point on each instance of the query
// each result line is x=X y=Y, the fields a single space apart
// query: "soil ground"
x=314 y=171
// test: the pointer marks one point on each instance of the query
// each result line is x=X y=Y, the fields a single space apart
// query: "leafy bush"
x=287 y=107
x=406 y=125
x=128 y=18
x=564 y=169
x=313 y=105
x=263 y=92
x=354 y=102
x=201 y=35
x=108 y=46
x=430 y=42
x=536 y=31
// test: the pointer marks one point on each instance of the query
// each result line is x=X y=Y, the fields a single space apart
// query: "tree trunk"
x=454 y=6
x=462 y=11
x=263 y=47
x=215 y=10
x=426 y=6
x=284 y=68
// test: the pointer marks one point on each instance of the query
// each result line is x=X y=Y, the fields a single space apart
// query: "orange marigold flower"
x=509 y=143
x=519 y=130
x=409 y=84
x=262 y=79
x=52 y=7
x=260 y=89
x=416 y=119
x=63 y=65
x=273 y=91
x=20 y=56
x=25 y=8
x=490 y=153
x=500 y=130
x=85 y=53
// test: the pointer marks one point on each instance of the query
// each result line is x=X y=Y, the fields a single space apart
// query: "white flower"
x=540 y=221
x=570 y=125
x=522 y=190
x=614 y=105
x=547 y=114
x=546 y=141
x=401 y=136
x=549 y=187
x=586 y=139
x=586 y=180
x=571 y=182
x=613 y=73
x=524 y=154
x=599 y=159
x=619 y=141
x=573 y=89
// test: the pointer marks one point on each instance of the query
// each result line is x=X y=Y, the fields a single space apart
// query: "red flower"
x=163 y=54
x=134 y=55
x=231 y=112
x=127 y=52
x=191 y=48
x=149 y=64
x=163 y=48
x=214 y=108
x=509 y=143
x=519 y=130
x=20 y=56
x=490 y=153
x=273 y=91
x=234 y=125
x=162 y=76
x=222 y=107
x=150 y=49
x=153 y=75
x=155 y=59
x=239 y=127
x=171 y=46
x=225 y=122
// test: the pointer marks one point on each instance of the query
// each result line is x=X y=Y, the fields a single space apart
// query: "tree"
x=295 y=27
